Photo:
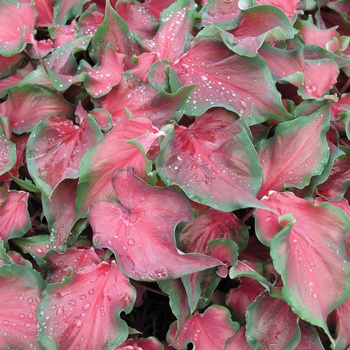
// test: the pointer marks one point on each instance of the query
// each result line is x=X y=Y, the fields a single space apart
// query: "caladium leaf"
x=209 y=330
x=258 y=24
x=36 y=246
x=113 y=153
x=309 y=338
x=138 y=19
x=144 y=219
x=178 y=300
x=334 y=188
x=100 y=80
x=84 y=309
x=74 y=258
x=20 y=289
x=60 y=218
x=16 y=29
x=8 y=65
x=341 y=323
x=175 y=23
x=239 y=341
x=114 y=32
x=296 y=152
x=150 y=343
x=290 y=8
x=55 y=148
x=319 y=76
x=285 y=65
x=143 y=100
x=271 y=324
x=40 y=101
x=307 y=249
x=223 y=79
x=65 y=10
x=14 y=216
x=221 y=13
x=213 y=161
x=45 y=13
x=238 y=299
x=211 y=225
x=7 y=150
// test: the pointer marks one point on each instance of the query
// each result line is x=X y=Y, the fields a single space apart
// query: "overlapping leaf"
x=140 y=230
x=213 y=161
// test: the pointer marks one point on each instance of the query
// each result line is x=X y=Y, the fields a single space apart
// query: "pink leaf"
x=213 y=161
x=8 y=65
x=114 y=32
x=271 y=324
x=238 y=341
x=84 y=309
x=155 y=7
x=170 y=39
x=209 y=330
x=45 y=12
x=60 y=218
x=319 y=77
x=143 y=100
x=100 y=80
x=67 y=9
x=258 y=24
x=306 y=247
x=309 y=339
x=113 y=153
x=296 y=152
x=334 y=188
x=328 y=39
x=211 y=225
x=150 y=343
x=7 y=151
x=20 y=289
x=288 y=7
x=238 y=299
x=138 y=19
x=17 y=20
x=221 y=13
x=142 y=222
x=55 y=149
x=40 y=101
x=74 y=258
x=14 y=216
x=223 y=79
x=341 y=323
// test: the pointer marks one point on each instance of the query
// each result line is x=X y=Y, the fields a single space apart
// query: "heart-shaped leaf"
x=213 y=161
x=83 y=311
x=144 y=219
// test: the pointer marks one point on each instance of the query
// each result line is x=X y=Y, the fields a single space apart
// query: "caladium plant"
x=174 y=174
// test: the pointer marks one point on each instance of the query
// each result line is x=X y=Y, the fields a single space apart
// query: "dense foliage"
x=174 y=174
